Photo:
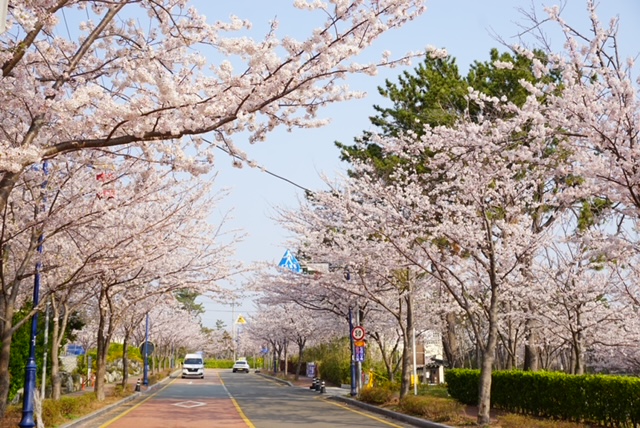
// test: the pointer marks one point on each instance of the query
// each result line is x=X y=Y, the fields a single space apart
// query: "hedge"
x=602 y=399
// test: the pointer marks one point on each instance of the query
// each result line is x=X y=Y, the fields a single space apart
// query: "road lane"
x=269 y=404
x=238 y=400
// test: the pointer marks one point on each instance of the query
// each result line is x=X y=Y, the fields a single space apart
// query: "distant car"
x=241 y=366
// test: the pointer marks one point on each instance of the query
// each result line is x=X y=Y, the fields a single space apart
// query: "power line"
x=230 y=153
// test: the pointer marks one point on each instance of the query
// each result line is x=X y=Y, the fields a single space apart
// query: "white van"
x=193 y=366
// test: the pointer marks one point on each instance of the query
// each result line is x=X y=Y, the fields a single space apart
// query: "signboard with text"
x=359 y=354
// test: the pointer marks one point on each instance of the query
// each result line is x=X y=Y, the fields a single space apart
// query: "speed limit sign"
x=357 y=333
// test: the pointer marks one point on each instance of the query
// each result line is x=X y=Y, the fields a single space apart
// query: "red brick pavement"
x=197 y=412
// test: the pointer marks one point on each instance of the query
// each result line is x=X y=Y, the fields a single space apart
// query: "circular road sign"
x=150 y=348
x=357 y=333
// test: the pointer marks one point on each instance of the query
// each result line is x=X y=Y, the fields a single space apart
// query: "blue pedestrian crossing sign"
x=290 y=262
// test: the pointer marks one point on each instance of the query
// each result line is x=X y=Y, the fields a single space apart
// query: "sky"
x=468 y=29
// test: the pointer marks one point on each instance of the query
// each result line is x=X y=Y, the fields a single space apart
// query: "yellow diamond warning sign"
x=241 y=320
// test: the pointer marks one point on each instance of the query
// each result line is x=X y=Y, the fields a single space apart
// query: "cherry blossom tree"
x=86 y=237
x=372 y=278
x=142 y=73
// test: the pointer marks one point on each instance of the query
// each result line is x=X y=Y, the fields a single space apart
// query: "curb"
x=134 y=396
x=412 y=420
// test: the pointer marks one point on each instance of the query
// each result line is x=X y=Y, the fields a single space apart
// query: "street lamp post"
x=354 y=391
x=30 y=372
x=31 y=368
x=145 y=379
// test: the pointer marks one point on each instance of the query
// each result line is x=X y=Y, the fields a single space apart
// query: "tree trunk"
x=286 y=359
x=578 y=355
x=450 y=342
x=56 y=338
x=101 y=367
x=484 y=400
x=5 y=351
x=125 y=359
x=102 y=347
x=531 y=352
x=407 y=361
x=300 y=351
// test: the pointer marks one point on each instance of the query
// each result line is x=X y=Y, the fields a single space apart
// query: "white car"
x=193 y=366
x=241 y=366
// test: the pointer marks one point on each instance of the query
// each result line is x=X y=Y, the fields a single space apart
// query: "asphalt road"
x=236 y=400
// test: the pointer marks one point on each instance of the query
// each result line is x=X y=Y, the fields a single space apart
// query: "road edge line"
x=236 y=405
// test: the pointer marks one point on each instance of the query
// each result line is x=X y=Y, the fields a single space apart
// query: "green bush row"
x=228 y=364
x=602 y=399
x=462 y=384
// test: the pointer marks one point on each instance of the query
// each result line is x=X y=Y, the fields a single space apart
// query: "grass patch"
x=433 y=390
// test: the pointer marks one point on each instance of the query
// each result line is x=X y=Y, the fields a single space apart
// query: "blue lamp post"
x=30 y=375
x=31 y=369
x=145 y=377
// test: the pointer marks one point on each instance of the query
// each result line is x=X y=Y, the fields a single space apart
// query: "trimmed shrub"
x=600 y=399
x=463 y=385
x=431 y=408
x=376 y=395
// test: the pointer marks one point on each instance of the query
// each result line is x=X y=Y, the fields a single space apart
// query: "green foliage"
x=591 y=212
x=334 y=361
x=218 y=364
x=335 y=370
x=600 y=399
x=462 y=385
x=376 y=395
x=116 y=350
x=56 y=412
x=228 y=364
x=431 y=408
x=433 y=390
x=187 y=299
x=19 y=353
x=434 y=94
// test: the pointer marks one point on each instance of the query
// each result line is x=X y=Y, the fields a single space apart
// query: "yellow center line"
x=236 y=405
x=364 y=414
x=137 y=405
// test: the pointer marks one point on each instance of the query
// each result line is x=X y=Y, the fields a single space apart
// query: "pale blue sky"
x=466 y=28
